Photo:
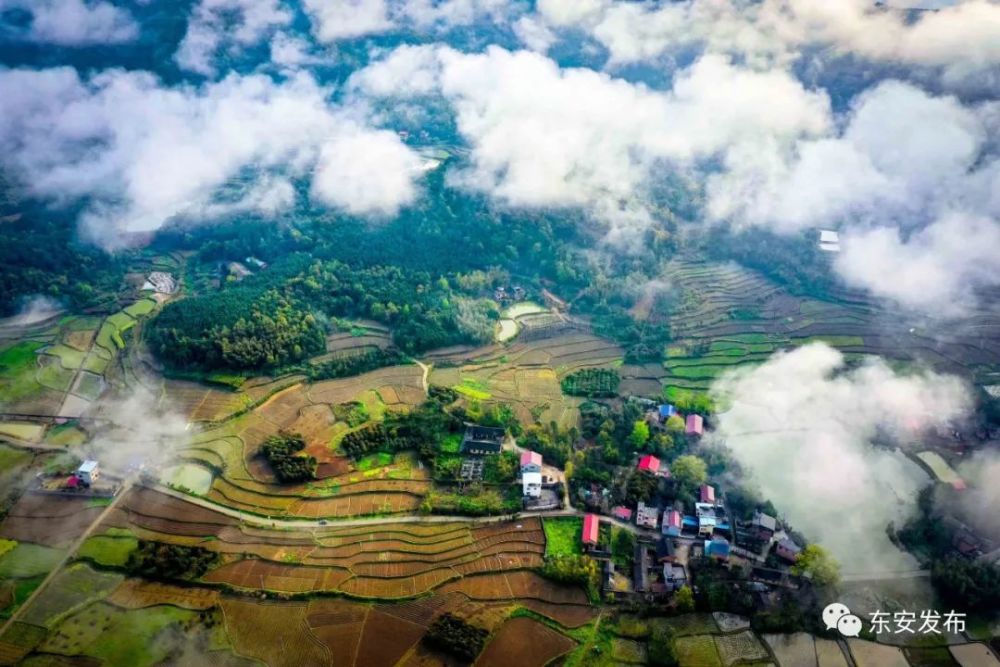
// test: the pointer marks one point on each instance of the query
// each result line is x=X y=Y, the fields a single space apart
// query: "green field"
x=28 y=560
x=17 y=370
x=118 y=636
x=140 y=308
x=12 y=457
x=109 y=550
x=68 y=357
x=562 y=536
x=71 y=588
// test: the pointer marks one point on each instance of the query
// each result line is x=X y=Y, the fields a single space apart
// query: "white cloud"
x=906 y=165
x=534 y=34
x=141 y=153
x=344 y=19
x=545 y=136
x=960 y=39
x=363 y=172
x=76 y=22
x=935 y=270
x=227 y=25
x=801 y=425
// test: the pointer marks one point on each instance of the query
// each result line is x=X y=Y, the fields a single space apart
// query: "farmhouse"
x=622 y=513
x=674 y=576
x=665 y=550
x=717 y=549
x=531 y=483
x=673 y=523
x=706 y=525
x=706 y=494
x=787 y=550
x=531 y=462
x=650 y=463
x=646 y=516
x=88 y=472
x=764 y=526
x=694 y=426
x=482 y=440
x=591 y=530
x=667 y=411
x=159 y=281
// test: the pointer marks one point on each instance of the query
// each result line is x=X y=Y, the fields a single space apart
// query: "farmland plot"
x=794 y=650
x=739 y=647
x=524 y=642
x=871 y=654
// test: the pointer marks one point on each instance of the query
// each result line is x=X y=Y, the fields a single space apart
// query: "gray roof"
x=765 y=521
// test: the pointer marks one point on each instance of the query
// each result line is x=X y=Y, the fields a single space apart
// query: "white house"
x=531 y=483
x=88 y=472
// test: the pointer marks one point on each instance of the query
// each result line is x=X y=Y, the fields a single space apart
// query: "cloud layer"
x=960 y=39
x=140 y=153
x=802 y=426
x=75 y=22
x=217 y=26
x=545 y=136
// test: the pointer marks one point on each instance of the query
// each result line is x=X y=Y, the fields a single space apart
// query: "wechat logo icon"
x=837 y=616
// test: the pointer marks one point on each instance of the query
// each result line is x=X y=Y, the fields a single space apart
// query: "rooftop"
x=531 y=458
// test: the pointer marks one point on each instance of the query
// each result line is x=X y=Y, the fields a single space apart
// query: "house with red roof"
x=650 y=463
x=531 y=462
x=622 y=513
x=673 y=523
x=706 y=494
x=694 y=426
x=591 y=530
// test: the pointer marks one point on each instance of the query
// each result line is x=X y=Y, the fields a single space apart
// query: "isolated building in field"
x=160 y=281
x=482 y=440
x=591 y=530
x=531 y=483
x=694 y=426
x=647 y=516
x=531 y=462
x=88 y=472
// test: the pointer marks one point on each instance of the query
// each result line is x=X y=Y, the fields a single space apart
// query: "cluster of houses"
x=694 y=425
x=478 y=441
x=503 y=295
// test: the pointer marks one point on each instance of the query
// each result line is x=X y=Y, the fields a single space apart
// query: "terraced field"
x=58 y=365
x=243 y=479
x=386 y=561
x=730 y=316
x=525 y=375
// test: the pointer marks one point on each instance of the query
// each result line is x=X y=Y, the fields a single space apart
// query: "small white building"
x=829 y=240
x=88 y=472
x=531 y=483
